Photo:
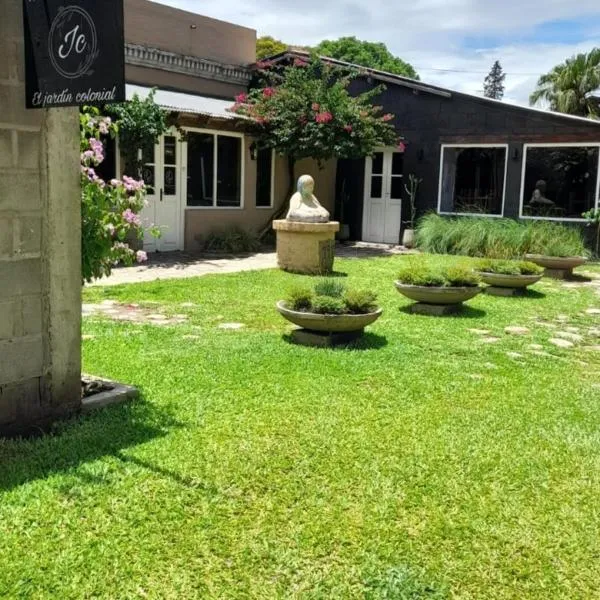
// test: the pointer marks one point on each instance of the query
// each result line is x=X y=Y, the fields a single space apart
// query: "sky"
x=452 y=43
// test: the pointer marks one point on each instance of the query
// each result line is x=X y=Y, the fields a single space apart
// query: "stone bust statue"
x=304 y=207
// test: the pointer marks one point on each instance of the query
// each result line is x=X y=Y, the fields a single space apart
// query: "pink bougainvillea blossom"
x=241 y=98
x=264 y=64
x=348 y=128
x=299 y=62
x=387 y=117
x=324 y=117
x=268 y=92
x=401 y=146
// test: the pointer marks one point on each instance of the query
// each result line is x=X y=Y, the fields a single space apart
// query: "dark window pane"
x=473 y=180
x=378 y=163
x=200 y=169
x=170 y=150
x=170 y=185
x=376 y=186
x=107 y=169
x=560 y=182
x=397 y=163
x=148 y=153
x=264 y=164
x=148 y=177
x=229 y=170
x=397 y=186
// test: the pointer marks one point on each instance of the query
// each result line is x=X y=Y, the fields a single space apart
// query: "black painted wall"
x=428 y=120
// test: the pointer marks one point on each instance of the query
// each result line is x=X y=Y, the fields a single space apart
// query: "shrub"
x=360 y=302
x=509 y=267
x=231 y=241
x=497 y=238
x=326 y=305
x=300 y=298
x=460 y=276
x=420 y=274
x=330 y=287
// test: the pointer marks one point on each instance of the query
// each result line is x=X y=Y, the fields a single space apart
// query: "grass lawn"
x=424 y=463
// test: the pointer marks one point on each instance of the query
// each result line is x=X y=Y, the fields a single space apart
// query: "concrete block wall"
x=40 y=278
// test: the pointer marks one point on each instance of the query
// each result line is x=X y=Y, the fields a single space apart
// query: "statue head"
x=306 y=186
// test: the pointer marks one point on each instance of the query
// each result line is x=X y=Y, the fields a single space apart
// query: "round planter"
x=566 y=263
x=509 y=281
x=438 y=295
x=408 y=238
x=328 y=323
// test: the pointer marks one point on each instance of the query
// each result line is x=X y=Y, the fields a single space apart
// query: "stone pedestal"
x=506 y=292
x=435 y=310
x=322 y=339
x=306 y=247
x=565 y=274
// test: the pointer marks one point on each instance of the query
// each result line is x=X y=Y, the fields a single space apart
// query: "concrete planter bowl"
x=508 y=281
x=567 y=263
x=328 y=323
x=438 y=296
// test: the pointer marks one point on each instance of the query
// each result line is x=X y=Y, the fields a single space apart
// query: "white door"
x=383 y=197
x=162 y=174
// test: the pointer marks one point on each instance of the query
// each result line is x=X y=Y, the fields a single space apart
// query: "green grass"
x=497 y=238
x=423 y=463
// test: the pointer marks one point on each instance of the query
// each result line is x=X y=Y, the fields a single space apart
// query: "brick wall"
x=39 y=247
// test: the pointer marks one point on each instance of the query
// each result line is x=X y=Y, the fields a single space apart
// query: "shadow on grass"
x=532 y=295
x=368 y=341
x=466 y=312
x=80 y=440
x=579 y=278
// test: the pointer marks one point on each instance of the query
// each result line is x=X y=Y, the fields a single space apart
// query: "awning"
x=186 y=103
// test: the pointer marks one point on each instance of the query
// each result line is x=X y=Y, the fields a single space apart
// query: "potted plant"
x=329 y=313
x=508 y=277
x=437 y=290
x=408 y=237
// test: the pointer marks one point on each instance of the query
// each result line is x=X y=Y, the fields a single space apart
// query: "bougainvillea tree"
x=305 y=110
x=110 y=210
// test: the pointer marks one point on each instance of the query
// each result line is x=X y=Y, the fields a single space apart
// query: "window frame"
x=272 y=195
x=556 y=145
x=465 y=214
x=215 y=133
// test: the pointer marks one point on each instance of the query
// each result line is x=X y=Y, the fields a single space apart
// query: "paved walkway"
x=180 y=265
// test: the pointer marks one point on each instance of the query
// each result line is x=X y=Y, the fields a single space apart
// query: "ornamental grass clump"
x=422 y=275
x=509 y=267
x=330 y=297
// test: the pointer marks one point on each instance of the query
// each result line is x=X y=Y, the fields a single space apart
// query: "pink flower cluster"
x=264 y=64
x=104 y=124
x=132 y=218
x=299 y=62
x=387 y=117
x=141 y=256
x=324 y=117
x=348 y=128
x=241 y=98
x=95 y=154
x=91 y=175
x=133 y=185
x=269 y=92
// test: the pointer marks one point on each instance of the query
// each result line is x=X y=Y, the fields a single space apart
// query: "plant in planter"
x=408 y=237
x=437 y=291
x=329 y=314
x=508 y=277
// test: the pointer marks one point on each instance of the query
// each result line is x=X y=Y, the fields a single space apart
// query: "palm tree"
x=570 y=87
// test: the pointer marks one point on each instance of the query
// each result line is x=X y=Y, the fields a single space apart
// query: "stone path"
x=180 y=265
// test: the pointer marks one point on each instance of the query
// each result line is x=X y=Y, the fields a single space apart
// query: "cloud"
x=464 y=36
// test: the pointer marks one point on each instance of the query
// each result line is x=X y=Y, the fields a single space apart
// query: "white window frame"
x=272 y=196
x=464 y=214
x=556 y=145
x=184 y=160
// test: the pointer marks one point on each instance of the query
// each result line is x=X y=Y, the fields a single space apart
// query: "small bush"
x=326 y=305
x=231 y=241
x=509 y=267
x=460 y=276
x=529 y=268
x=330 y=287
x=360 y=302
x=420 y=274
x=300 y=298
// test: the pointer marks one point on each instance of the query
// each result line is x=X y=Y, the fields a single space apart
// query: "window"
x=214 y=170
x=264 y=178
x=559 y=182
x=472 y=180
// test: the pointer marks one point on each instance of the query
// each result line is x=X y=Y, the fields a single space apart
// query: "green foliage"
x=326 y=305
x=360 y=302
x=330 y=287
x=141 y=123
x=509 y=267
x=493 y=86
x=300 y=298
x=267 y=46
x=497 y=238
x=306 y=111
x=593 y=219
x=570 y=87
x=231 y=241
x=419 y=272
x=372 y=55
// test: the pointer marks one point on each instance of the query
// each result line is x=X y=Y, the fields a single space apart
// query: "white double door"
x=162 y=174
x=384 y=183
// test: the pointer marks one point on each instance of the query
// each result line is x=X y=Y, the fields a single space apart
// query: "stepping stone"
x=567 y=335
x=592 y=348
x=572 y=329
x=157 y=317
x=476 y=376
x=544 y=354
x=490 y=340
x=592 y=311
x=490 y=365
x=514 y=355
x=560 y=343
x=594 y=332
x=180 y=317
x=479 y=331
x=561 y=318
x=187 y=304
x=231 y=326
x=516 y=330
x=536 y=347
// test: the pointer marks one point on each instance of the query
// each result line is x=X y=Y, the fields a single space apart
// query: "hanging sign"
x=74 y=52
